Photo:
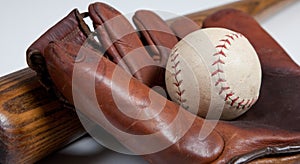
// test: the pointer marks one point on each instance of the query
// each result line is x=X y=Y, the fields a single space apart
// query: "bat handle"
x=260 y=9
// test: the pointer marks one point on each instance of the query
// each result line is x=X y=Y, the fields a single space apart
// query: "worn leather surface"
x=227 y=140
x=139 y=97
x=123 y=44
x=183 y=26
x=157 y=34
x=242 y=140
x=71 y=28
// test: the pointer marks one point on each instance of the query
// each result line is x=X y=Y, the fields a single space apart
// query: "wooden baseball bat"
x=34 y=124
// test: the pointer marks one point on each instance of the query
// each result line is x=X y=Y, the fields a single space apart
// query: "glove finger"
x=173 y=126
x=109 y=48
x=183 y=26
x=125 y=41
x=156 y=33
x=71 y=28
x=111 y=51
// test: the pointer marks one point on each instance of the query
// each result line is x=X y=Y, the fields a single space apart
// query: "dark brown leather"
x=279 y=104
x=71 y=28
x=123 y=43
x=183 y=26
x=228 y=139
x=156 y=33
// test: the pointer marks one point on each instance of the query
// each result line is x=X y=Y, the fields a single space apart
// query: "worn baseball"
x=215 y=73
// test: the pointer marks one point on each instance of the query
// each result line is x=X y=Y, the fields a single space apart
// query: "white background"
x=22 y=22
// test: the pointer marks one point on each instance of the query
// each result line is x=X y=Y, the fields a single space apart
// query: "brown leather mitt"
x=246 y=139
x=123 y=46
x=71 y=28
x=171 y=123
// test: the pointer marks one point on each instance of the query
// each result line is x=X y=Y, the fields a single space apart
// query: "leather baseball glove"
x=263 y=132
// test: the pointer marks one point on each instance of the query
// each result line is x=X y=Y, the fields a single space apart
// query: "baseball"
x=214 y=73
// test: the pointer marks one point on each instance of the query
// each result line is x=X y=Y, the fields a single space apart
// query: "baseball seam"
x=176 y=71
x=223 y=46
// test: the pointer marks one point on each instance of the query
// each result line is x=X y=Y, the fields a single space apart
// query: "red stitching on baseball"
x=218 y=61
x=230 y=36
x=240 y=104
x=180 y=93
x=224 y=45
x=177 y=82
x=237 y=36
x=248 y=101
x=226 y=41
x=176 y=64
x=177 y=72
x=217 y=72
x=223 y=89
x=175 y=57
x=234 y=100
x=252 y=102
x=220 y=53
x=228 y=95
x=220 y=80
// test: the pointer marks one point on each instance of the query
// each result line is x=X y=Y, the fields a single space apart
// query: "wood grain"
x=34 y=124
x=260 y=9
